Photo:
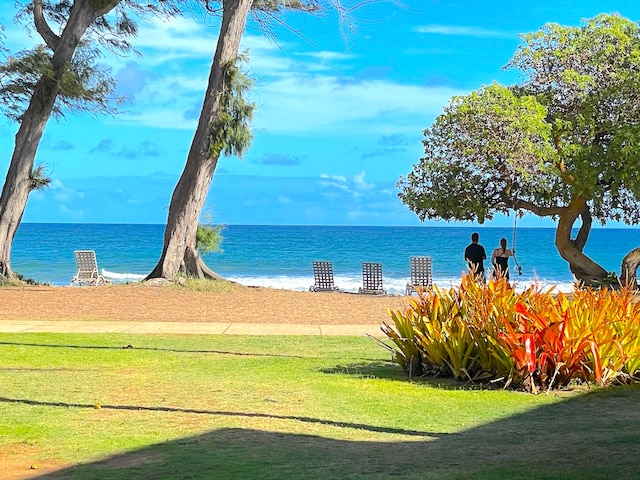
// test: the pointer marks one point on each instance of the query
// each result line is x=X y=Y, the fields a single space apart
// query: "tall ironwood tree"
x=61 y=74
x=180 y=253
x=180 y=256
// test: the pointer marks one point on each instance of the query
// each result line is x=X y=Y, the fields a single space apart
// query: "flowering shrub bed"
x=536 y=339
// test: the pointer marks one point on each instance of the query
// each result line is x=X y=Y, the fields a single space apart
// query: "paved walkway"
x=171 y=328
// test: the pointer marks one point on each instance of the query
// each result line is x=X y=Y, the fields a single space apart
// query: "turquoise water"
x=281 y=256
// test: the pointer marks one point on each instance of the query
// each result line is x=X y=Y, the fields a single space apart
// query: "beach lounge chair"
x=323 y=277
x=87 y=269
x=421 y=274
x=372 y=279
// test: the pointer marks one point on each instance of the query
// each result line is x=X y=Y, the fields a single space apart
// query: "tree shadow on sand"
x=591 y=436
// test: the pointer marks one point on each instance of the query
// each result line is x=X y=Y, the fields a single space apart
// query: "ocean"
x=281 y=256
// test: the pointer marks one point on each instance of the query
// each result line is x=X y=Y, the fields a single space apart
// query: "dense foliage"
x=209 y=238
x=537 y=339
x=231 y=129
x=85 y=85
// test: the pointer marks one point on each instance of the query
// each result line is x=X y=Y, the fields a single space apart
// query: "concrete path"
x=171 y=328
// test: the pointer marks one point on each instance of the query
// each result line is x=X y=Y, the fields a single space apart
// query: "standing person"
x=475 y=256
x=500 y=260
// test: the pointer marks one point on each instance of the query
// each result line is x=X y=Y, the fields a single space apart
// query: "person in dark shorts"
x=475 y=256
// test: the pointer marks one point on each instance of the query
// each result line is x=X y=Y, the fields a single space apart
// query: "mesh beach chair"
x=421 y=274
x=87 y=269
x=323 y=277
x=372 y=279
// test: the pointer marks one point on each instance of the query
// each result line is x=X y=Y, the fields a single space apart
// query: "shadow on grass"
x=138 y=408
x=390 y=370
x=151 y=349
x=592 y=436
x=385 y=369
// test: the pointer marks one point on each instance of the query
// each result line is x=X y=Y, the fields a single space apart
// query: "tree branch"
x=537 y=210
x=51 y=39
x=583 y=234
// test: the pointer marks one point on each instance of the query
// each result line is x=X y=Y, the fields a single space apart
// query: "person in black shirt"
x=475 y=256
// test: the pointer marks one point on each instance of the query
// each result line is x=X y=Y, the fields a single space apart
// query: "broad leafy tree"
x=58 y=76
x=564 y=143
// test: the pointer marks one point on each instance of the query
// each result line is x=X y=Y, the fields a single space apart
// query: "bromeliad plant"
x=536 y=339
x=613 y=316
x=545 y=353
x=448 y=331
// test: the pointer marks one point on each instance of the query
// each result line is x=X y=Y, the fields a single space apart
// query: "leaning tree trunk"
x=18 y=184
x=180 y=255
x=629 y=268
x=586 y=271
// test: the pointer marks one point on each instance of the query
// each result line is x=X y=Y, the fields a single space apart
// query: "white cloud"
x=62 y=193
x=306 y=104
x=337 y=178
x=460 y=31
x=70 y=213
x=354 y=186
x=162 y=40
x=297 y=91
x=312 y=104
x=334 y=183
x=327 y=55
x=360 y=182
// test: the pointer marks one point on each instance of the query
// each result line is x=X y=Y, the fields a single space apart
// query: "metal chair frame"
x=87 y=273
x=421 y=274
x=323 y=277
x=372 y=279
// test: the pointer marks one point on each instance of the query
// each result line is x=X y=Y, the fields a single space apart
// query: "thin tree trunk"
x=586 y=271
x=17 y=185
x=180 y=255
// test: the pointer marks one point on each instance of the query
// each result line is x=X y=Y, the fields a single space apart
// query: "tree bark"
x=180 y=255
x=586 y=271
x=629 y=268
x=17 y=185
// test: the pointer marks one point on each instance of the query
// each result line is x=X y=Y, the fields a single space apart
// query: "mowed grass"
x=224 y=407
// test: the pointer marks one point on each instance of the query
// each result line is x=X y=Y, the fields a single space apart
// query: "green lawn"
x=224 y=407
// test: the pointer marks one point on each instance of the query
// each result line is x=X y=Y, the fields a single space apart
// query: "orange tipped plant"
x=543 y=352
x=535 y=339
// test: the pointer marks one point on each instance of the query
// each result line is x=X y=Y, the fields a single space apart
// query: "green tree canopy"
x=84 y=85
x=563 y=143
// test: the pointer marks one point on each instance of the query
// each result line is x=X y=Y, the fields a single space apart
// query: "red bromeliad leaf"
x=521 y=309
x=530 y=351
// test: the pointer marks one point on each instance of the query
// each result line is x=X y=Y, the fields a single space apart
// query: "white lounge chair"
x=87 y=269
x=323 y=277
x=372 y=279
x=421 y=274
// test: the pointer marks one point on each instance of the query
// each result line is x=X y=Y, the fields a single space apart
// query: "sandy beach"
x=163 y=304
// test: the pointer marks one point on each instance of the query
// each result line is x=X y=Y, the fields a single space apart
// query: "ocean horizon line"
x=479 y=227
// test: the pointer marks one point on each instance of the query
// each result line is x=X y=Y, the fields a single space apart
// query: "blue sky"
x=339 y=120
